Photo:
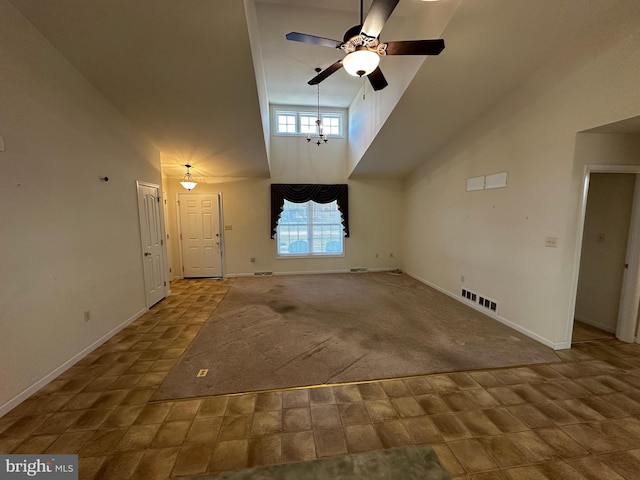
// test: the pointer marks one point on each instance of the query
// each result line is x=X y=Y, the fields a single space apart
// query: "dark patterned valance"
x=301 y=193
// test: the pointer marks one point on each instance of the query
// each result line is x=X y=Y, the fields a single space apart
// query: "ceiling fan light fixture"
x=362 y=46
x=187 y=182
x=361 y=62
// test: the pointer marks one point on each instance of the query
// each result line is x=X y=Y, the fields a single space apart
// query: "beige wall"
x=369 y=110
x=606 y=149
x=374 y=213
x=70 y=242
x=496 y=238
x=604 y=248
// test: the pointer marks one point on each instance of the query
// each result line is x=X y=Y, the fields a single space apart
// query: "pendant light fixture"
x=187 y=182
x=320 y=138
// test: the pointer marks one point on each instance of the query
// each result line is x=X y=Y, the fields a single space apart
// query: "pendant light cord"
x=318 y=101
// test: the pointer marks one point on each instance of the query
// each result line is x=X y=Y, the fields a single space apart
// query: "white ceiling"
x=289 y=65
x=183 y=74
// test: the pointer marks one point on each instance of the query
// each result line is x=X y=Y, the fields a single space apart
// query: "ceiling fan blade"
x=378 y=82
x=325 y=73
x=377 y=16
x=415 y=47
x=304 y=38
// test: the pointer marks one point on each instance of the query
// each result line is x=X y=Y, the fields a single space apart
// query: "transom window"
x=295 y=122
x=287 y=123
x=309 y=229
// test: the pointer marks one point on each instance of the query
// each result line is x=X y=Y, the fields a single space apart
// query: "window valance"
x=301 y=193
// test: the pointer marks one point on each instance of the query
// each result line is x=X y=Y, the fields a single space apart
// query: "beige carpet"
x=289 y=331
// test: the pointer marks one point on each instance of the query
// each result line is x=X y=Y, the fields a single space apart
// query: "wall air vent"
x=479 y=299
x=263 y=274
x=358 y=270
x=488 y=303
x=469 y=295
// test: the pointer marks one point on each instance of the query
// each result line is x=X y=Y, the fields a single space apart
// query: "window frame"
x=299 y=112
x=309 y=225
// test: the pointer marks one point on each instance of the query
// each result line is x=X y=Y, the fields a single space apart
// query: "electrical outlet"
x=551 y=242
x=252 y=259
x=461 y=278
x=87 y=315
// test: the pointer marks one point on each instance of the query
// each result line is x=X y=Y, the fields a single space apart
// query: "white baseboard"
x=312 y=272
x=488 y=313
x=26 y=393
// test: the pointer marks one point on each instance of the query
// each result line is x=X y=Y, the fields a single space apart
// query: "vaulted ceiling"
x=195 y=76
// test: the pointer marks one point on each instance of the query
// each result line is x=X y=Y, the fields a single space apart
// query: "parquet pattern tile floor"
x=575 y=419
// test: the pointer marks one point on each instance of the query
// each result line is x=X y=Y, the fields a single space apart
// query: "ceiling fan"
x=363 y=48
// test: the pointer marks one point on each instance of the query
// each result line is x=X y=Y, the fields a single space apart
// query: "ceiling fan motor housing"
x=355 y=40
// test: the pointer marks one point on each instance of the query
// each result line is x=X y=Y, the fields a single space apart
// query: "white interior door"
x=200 y=235
x=627 y=324
x=630 y=298
x=151 y=234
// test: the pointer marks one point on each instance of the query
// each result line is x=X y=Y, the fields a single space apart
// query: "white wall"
x=369 y=110
x=70 y=242
x=374 y=213
x=606 y=149
x=496 y=238
x=604 y=248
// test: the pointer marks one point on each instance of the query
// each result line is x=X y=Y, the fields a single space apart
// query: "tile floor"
x=576 y=419
x=586 y=333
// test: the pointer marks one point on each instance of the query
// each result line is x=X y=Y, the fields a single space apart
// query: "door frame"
x=630 y=295
x=220 y=227
x=163 y=236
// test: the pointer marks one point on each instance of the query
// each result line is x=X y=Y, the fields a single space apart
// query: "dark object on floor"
x=405 y=463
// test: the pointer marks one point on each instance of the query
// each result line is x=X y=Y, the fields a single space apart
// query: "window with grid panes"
x=310 y=229
x=292 y=122
x=331 y=125
x=287 y=123
x=308 y=124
